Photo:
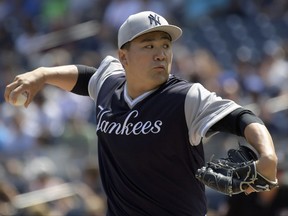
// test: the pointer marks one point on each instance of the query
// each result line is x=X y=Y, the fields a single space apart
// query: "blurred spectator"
x=197 y=8
x=53 y=12
x=7 y=194
x=277 y=75
x=15 y=140
x=41 y=172
x=199 y=66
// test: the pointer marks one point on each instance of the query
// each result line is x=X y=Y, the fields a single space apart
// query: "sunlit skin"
x=147 y=62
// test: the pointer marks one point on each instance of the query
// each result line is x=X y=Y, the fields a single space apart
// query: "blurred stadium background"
x=48 y=152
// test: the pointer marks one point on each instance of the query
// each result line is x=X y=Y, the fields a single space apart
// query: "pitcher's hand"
x=31 y=83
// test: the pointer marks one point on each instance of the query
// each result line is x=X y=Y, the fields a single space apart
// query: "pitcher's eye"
x=149 y=46
x=166 y=46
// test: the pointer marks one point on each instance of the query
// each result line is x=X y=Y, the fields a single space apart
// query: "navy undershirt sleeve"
x=236 y=122
x=84 y=75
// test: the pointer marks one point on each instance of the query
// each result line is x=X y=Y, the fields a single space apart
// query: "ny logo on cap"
x=154 y=19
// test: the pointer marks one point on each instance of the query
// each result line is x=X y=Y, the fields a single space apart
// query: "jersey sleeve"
x=109 y=66
x=202 y=110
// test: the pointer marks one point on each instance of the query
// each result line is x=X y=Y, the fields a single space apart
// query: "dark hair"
x=126 y=46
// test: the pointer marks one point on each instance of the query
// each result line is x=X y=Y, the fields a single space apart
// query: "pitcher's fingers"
x=29 y=99
x=249 y=190
x=10 y=87
x=12 y=90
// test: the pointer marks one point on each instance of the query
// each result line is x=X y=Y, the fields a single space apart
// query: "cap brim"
x=174 y=31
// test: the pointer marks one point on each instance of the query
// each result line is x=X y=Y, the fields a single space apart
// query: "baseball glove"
x=234 y=174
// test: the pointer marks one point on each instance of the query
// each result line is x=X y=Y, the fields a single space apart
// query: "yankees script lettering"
x=127 y=128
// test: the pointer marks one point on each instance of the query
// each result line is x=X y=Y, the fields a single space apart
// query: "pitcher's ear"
x=122 y=56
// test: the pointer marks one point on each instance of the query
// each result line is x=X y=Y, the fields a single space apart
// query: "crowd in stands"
x=236 y=48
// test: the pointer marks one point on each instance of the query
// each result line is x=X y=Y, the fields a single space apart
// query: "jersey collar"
x=132 y=102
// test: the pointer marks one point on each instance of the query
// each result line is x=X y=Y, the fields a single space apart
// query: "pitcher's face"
x=148 y=60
